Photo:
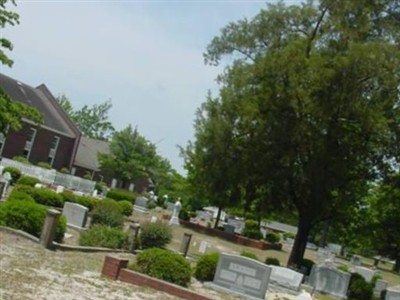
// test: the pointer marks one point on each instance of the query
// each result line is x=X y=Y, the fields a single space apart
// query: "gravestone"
x=141 y=205
x=75 y=214
x=323 y=254
x=59 y=189
x=175 y=214
x=187 y=237
x=365 y=272
x=153 y=219
x=229 y=228
x=380 y=286
x=170 y=206
x=204 y=215
x=203 y=247
x=356 y=260
x=286 y=277
x=131 y=187
x=239 y=225
x=242 y=276
x=94 y=193
x=6 y=184
x=329 y=280
x=393 y=293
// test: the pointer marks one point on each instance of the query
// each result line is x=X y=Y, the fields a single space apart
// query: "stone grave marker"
x=141 y=205
x=329 y=280
x=242 y=276
x=286 y=277
x=229 y=228
x=170 y=206
x=365 y=272
x=153 y=219
x=59 y=189
x=393 y=293
x=355 y=260
x=380 y=286
x=175 y=214
x=75 y=214
x=239 y=225
x=203 y=247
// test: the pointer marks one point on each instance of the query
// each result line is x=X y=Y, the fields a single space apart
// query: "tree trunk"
x=218 y=216
x=396 y=267
x=300 y=242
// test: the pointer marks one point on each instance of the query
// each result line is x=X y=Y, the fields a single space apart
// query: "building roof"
x=54 y=117
x=88 y=149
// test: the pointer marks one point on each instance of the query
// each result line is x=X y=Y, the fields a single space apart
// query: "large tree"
x=92 y=121
x=314 y=93
x=11 y=112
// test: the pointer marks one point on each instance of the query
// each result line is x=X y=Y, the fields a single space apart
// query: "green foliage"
x=272 y=261
x=151 y=205
x=344 y=268
x=108 y=213
x=44 y=165
x=29 y=217
x=64 y=170
x=99 y=186
x=307 y=264
x=60 y=229
x=21 y=159
x=184 y=214
x=206 y=267
x=17 y=195
x=249 y=254
x=126 y=207
x=289 y=235
x=251 y=230
x=118 y=194
x=165 y=265
x=14 y=172
x=359 y=289
x=89 y=202
x=27 y=180
x=104 y=236
x=87 y=176
x=272 y=237
x=42 y=196
x=156 y=234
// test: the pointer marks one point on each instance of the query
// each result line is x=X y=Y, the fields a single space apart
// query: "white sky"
x=146 y=56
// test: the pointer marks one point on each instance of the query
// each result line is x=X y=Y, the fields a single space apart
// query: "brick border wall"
x=116 y=268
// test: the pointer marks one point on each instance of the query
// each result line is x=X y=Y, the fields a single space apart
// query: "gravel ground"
x=28 y=271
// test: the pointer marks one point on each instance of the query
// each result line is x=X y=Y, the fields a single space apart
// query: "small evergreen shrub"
x=21 y=159
x=359 y=289
x=14 y=172
x=307 y=264
x=155 y=235
x=165 y=265
x=27 y=180
x=251 y=230
x=99 y=186
x=206 y=267
x=108 y=213
x=104 y=236
x=272 y=237
x=289 y=235
x=17 y=195
x=184 y=215
x=151 y=205
x=248 y=254
x=272 y=261
x=44 y=165
x=42 y=196
x=64 y=170
x=29 y=217
x=126 y=207
x=118 y=194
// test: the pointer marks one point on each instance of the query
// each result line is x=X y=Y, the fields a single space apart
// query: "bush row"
x=118 y=195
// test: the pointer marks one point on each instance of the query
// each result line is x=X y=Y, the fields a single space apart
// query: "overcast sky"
x=146 y=56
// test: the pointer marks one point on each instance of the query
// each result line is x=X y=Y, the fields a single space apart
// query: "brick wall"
x=115 y=268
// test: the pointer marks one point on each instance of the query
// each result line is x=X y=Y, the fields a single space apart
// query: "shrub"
x=272 y=261
x=307 y=264
x=64 y=170
x=289 y=235
x=27 y=180
x=343 y=268
x=17 y=195
x=42 y=196
x=151 y=205
x=29 y=217
x=99 y=186
x=104 y=236
x=14 y=172
x=165 y=265
x=44 y=165
x=108 y=213
x=126 y=207
x=359 y=289
x=118 y=194
x=206 y=267
x=251 y=230
x=21 y=159
x=272 y=237
x=184 y=215
x=248 y=254
x=155 y=234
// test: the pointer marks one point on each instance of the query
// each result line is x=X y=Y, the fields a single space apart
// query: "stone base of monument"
x=219 y=288
x=174 y=221
x=141 y=209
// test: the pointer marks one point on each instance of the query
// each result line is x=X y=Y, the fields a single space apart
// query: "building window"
x=29 y=142
x=2 y=142
x=53 y=150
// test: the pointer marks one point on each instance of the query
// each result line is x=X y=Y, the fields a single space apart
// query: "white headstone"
x=75 y=214
x=131 y=187
x=94 y=193
x=153 y=219
x=365 y=272
x=141 y=205
x=113 y=183
x=59 y=189
x=7 y=176
x=175 y=214
x=329 y=280
x=286 y=277
x=393 y=293
x=203 y=247
x=39 y=186
x=1 y=169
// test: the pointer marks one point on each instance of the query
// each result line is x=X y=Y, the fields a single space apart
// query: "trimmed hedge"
x=206 y=267
x=272 y=261
x=42 y=196
x=272 y=237
x=155 y=234
x=104 y=236
x=248 y=254
x=118 y=195
x=27 y=180
x=108 y=213
x=251 y=230
x=163 y=264
x=89 y=202
x=17 y=195
x=126 y=207
x=29 y=217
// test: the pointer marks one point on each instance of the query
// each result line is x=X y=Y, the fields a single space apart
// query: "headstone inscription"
x=75 y=214
x=329 y=280
x=241 y=275
x=286 y=277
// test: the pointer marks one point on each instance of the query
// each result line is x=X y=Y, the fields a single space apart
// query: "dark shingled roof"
x=41 y=99
x=88 y=149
